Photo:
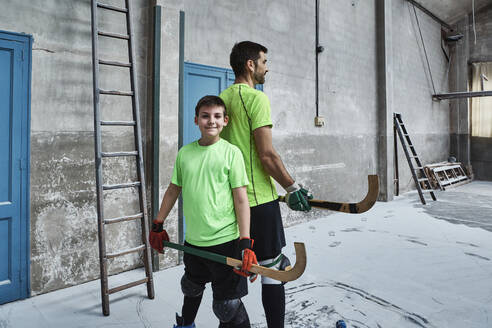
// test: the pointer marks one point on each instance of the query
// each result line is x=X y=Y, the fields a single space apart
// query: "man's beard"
x=259 y=78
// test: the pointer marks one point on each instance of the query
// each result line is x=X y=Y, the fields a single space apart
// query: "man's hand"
x=158 y=235
x=297 y=198
x=249 y=258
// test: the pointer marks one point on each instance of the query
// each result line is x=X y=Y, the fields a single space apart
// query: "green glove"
x=297 y=198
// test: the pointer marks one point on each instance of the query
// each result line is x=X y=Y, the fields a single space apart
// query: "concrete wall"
x=426 y=121
x=481 y=50
x=333 y=161
x=322 y=158
x=63 y=228
x=472 y=151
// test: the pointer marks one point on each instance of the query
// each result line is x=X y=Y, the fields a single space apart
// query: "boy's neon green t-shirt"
x=249 y=109
x=207 y=175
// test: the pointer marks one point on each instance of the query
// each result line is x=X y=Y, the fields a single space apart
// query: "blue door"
x=199 y=81
x=14 y=140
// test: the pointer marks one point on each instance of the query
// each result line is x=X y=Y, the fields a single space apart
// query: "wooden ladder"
x=100 y=155
x=411 y=155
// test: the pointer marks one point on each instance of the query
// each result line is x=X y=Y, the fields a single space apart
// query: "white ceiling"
x=451 y=11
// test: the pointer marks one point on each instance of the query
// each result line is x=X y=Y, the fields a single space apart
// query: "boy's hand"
x=158 y=235
x=249 y=258
x=297 y=198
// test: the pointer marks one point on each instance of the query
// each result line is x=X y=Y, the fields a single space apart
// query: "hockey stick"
x=280 y=275
x=354 y=208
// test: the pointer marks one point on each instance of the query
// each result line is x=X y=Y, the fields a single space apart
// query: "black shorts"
x=226 y=285
x=267 y=230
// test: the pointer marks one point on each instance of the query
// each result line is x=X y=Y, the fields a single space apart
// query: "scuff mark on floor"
x=479 y=256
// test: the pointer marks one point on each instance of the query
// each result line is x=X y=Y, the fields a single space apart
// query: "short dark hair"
x=209 y=100
x=242 y=52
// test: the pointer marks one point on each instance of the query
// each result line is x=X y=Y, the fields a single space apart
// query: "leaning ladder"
x=406 y=144
x=99 y=155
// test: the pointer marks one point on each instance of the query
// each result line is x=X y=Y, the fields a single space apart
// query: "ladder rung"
x=427 y=190
x=414 y=156
x=121 y=185
x=114 y=35
x=128 y=251
x=453 y=180
x=119 y=154
x=115 y=92
x=108 y=7
x=114 y=63
x=124 y=218
x=121 y=123
x=129 y=285
x=422 y=179
x=419 y=168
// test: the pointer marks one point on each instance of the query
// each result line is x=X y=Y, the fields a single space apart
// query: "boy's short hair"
x=209 y=100
x=242 y=52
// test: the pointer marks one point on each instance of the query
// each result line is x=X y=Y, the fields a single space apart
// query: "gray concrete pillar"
x=385 y=99
x=460 y=112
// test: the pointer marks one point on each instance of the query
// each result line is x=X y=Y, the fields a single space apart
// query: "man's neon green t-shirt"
x=207 y=175
x=249 y=109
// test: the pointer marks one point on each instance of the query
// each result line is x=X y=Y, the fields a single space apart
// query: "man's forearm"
x=273 y=165
x=271 y=161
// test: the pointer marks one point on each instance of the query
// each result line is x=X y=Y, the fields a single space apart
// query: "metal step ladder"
x=411 y=155
x=100 y=155
x=449 y=175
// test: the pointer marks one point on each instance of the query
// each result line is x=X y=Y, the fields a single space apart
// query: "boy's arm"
x=170 y=197
x=241 y=206
x=157 y=235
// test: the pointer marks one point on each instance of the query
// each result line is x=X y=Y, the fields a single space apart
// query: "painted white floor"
x=394 y=266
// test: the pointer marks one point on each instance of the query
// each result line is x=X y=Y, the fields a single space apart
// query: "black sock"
x=273 y=297
x=190 y=309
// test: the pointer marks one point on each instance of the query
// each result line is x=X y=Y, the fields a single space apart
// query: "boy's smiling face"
x=211 y=120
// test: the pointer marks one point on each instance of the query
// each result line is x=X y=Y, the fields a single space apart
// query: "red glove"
x=249 y=258
x=157 y=236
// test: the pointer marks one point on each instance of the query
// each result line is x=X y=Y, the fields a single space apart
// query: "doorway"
x=15 y=65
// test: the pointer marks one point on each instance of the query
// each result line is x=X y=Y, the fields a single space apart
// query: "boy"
x=210 y=172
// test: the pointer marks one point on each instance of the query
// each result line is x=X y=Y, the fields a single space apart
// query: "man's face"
x=211 y=121
x=260 y=69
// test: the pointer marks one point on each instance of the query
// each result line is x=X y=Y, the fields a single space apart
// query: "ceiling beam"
x=428 y=12
x=454 y=95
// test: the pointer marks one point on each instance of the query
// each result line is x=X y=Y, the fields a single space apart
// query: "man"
x=250 y=129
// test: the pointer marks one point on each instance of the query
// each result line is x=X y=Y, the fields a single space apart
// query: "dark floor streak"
x=412 y=317
x=478 y=256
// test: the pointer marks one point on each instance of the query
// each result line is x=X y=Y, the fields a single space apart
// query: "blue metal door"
x=199 y=81
x=14 y=135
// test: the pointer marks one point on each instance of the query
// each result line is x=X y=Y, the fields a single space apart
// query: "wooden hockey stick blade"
x=354 y=208
x=280 y=275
